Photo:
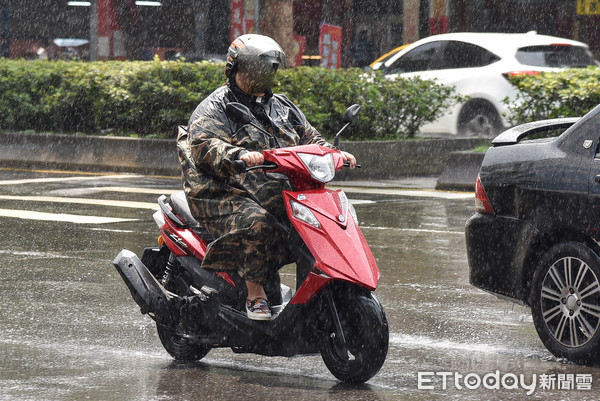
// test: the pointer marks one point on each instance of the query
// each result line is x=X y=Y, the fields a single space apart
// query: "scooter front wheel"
x=359 y=355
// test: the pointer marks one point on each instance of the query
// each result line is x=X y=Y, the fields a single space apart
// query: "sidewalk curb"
x=460 y=172
x=381 y=160
x=89 y=153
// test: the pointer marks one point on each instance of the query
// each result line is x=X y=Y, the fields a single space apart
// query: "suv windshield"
x=561 y=56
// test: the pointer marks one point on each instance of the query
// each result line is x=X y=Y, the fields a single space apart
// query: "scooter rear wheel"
x=366 y=332
x=180 y=347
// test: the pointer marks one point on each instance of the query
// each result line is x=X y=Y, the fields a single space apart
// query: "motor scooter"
x=332 y=311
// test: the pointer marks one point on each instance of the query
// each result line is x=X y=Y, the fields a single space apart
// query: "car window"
x=457 y=54
x=418 y=59
x=562 y=56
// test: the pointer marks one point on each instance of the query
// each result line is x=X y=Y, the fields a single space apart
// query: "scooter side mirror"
x=238 y=113
x=350 y=114
x=349 y=118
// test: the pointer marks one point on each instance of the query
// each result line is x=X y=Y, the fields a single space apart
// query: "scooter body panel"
x=337 y=245
x=182 y=240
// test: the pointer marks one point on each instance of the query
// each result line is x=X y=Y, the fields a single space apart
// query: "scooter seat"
x=180 y=206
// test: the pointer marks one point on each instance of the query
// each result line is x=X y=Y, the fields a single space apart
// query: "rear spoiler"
x=515 y=134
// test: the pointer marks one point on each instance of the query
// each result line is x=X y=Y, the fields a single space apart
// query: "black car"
x=535 y=238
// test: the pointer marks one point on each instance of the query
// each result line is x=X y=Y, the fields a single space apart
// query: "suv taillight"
x=482 y=203
x=509 y=74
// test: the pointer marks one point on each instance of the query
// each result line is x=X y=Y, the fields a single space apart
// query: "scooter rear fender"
x=147 y=292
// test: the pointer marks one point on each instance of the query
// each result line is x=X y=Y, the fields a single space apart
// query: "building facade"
x=120 y=29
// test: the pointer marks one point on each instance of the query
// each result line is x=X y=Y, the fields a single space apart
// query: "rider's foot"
x=258 y=309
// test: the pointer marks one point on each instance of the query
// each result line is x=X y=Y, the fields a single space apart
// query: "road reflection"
x=69 y=329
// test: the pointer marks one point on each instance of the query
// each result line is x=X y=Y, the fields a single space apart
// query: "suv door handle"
x=597 y=179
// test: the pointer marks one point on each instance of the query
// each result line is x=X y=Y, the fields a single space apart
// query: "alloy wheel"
x=570 y=301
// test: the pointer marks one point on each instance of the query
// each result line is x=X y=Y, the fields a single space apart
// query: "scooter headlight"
x=303 y=213
x=321 y=167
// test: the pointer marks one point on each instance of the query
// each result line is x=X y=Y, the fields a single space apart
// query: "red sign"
x=299 y=46
x=330 y=46
x=439 y=25
x=236 y=19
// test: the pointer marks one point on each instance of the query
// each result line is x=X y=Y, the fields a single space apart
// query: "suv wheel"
x=565 y=302
x=479 y=119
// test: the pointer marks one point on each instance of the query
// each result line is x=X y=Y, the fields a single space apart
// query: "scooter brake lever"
x=270 y=166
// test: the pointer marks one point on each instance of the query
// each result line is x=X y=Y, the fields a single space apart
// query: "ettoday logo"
x=503 y=381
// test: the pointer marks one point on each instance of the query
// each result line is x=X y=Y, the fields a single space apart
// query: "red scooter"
x=332 y=311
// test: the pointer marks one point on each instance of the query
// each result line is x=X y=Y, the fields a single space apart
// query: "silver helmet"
x=258 y=56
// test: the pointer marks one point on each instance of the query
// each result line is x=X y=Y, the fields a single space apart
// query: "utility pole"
x=94 y=30
x=125 y=12
x=257 y=15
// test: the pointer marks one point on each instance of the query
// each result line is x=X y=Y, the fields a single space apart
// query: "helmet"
x=258 y=56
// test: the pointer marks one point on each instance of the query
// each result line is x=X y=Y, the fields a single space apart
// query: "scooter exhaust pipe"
x=148 y=293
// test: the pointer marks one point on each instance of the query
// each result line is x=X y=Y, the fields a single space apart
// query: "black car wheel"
x=565 y=302
x=366 y=332
x=479 y=120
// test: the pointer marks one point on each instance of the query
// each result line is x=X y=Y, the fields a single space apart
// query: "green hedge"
x=152 y=98
x=568 y=93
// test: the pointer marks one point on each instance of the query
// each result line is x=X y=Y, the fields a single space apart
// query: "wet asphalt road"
x=69 y=329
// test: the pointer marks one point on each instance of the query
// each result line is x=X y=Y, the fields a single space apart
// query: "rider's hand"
x=349 y=158
x=253 y=158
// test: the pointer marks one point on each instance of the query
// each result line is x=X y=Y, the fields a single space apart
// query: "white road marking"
x=158 y=191
x=80 y=219
x=137 y=190
x=77 y=178
x=84 y=201
x=407 y=192
x=70 y=218
x=416 y=230
x=361 y=201
x=112 y=230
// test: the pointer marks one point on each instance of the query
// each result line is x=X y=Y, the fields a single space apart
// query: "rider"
x=243 y=211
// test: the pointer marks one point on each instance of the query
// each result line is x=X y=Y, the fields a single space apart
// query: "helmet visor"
x=260 y=71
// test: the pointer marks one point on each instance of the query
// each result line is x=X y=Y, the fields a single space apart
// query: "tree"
x=279 y=24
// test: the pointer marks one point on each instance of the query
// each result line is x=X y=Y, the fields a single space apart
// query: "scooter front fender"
x=338 y=245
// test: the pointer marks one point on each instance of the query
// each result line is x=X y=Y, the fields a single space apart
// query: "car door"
x=462 y=65
x=594 y=179
x=576 y=177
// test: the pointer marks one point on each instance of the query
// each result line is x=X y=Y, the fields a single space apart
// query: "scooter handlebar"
x=347 y=164
x=239 y=166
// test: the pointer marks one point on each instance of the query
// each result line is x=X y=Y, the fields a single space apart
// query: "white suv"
x=477 y=65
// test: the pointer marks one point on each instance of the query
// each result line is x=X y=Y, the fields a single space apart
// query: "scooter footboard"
x=147 y=292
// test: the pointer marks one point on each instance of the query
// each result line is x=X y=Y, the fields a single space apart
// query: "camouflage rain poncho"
x=249 y=235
